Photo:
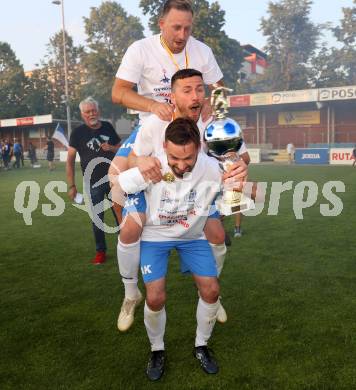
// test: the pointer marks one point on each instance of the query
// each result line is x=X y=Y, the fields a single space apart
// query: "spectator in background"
x=94 y=139
x=50 y=153
x=354 y=155
x=1 y=146
x=17 y=153
x=32 y=154
x=290 y=151
x=22 y=155
x=6 y=154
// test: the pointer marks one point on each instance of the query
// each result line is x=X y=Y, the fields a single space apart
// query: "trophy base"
x=225 y=208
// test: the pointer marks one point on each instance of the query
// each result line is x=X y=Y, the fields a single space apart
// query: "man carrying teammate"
x=177 y=211
x=187 y=96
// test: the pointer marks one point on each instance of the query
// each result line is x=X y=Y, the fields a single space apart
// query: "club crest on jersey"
x=167 y=197
x=190 y=198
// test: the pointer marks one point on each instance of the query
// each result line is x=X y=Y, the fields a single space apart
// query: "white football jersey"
x=179 y=210
x=148 y=64
x=150 y=137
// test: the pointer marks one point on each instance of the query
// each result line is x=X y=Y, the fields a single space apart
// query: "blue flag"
x=59 y=135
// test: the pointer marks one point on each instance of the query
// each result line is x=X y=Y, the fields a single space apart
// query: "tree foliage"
x=209 y=20
x=346 y=35
x=325 y=70
x=292 y=40
x=50 y=79
x=38 y=98
x=110 y=31
x=12 y=84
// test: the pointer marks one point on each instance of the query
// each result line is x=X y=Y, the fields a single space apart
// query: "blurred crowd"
x=12 y=155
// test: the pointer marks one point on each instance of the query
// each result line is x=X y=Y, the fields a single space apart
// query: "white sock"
x=155 y=322
x=219 y=252
x=128 y=257
x=206 y=318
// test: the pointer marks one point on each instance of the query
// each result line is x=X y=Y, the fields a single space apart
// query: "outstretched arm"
x=123 y=93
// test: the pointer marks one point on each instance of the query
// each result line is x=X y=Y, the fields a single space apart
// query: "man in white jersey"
x=150 y=63
x=177 y=211
x=188 y=96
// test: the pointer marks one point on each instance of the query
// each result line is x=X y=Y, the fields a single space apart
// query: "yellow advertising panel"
x=299 y=118
x=261 y=99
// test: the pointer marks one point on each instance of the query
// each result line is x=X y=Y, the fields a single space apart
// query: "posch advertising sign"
x=337 y=93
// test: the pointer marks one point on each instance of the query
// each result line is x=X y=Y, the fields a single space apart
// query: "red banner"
x=24 y=121
x=239 y=101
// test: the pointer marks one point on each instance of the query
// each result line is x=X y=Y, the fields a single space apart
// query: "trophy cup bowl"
x=223 y=136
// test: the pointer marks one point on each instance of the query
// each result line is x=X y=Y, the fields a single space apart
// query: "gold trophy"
x=223 y=137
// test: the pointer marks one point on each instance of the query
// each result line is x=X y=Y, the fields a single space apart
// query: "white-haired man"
x=95 y=139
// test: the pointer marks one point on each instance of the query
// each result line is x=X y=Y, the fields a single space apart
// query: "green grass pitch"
x=288 y=286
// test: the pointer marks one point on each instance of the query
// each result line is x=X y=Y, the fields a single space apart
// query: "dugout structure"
x=311 y=117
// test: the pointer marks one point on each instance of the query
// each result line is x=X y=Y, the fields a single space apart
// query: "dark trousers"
x=18 y=159
x=6 y=159
x=97 y=196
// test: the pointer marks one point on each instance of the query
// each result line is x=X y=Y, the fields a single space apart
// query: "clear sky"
x=27 y=25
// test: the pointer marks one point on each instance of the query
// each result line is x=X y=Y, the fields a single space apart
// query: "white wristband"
x=132 y=181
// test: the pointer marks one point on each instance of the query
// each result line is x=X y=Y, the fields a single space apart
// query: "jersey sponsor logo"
x=146 y=269
x=127 y=145
x=130 y=202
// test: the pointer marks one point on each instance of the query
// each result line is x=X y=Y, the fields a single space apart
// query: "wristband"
x=132 y=181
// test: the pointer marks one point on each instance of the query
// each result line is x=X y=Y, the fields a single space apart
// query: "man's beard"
x=93 y=122
x=179 y=174
x=192 y=112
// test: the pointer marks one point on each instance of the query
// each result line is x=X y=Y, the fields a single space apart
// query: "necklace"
x=168 y=50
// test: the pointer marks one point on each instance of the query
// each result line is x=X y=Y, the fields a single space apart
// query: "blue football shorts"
x=195 y=256
x=128 y=144
x=135 y=203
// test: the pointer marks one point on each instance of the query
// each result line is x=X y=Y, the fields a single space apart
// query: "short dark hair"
x=185 y=74
x=180 y=5
x=183 y=131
